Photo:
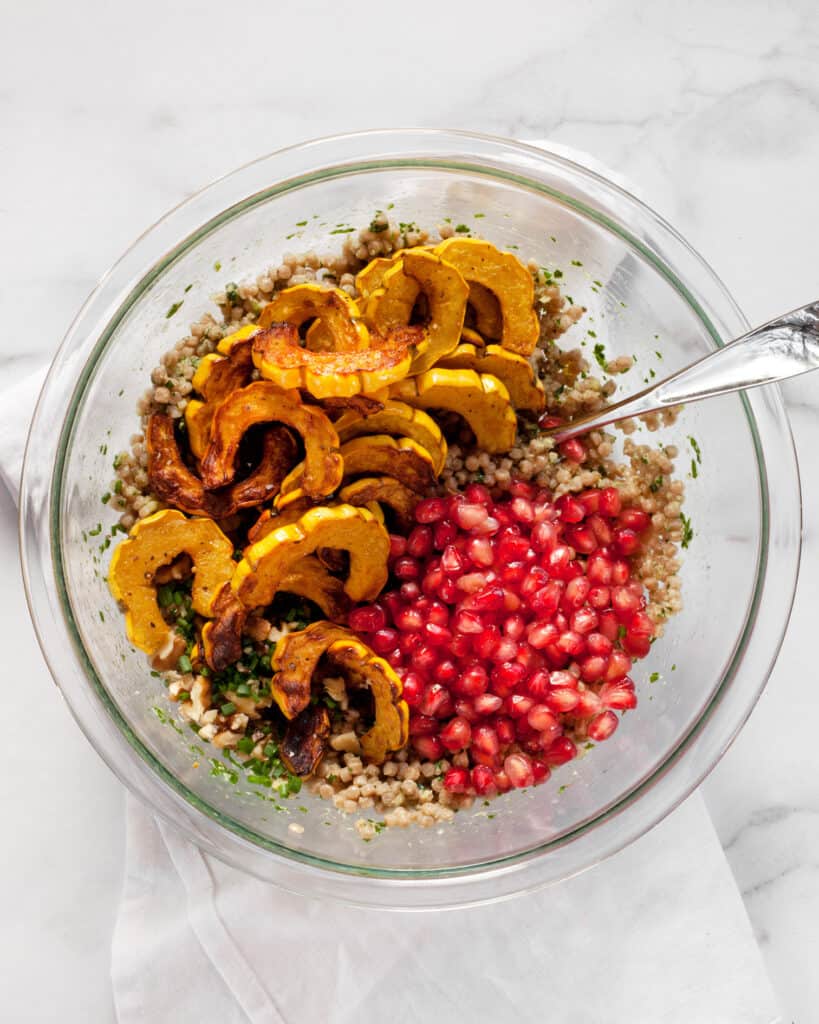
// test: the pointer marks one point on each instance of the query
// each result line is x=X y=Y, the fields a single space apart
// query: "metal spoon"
x=781 y=348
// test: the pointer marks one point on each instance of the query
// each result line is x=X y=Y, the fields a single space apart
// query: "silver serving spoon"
x=781 y=348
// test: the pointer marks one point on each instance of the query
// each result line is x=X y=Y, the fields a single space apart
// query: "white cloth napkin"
x=656 y=935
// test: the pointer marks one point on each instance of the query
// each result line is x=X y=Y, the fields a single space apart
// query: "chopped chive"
x=184 y=664
x=228 y=709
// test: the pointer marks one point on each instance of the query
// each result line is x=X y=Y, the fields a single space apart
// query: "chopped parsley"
x=188 y=288
x=693 y=442
x=377 y=226
x=106 y=498
x=174 y=309
x=655 y=484
x=654 y=677
x=600 y=355
x=688 y=531
x=462 y=229
x=341 y=231
x=694 y=470
x=217 y=266
x=301 y=223
x=96 y=531
x=576 y=263
x=184 y=664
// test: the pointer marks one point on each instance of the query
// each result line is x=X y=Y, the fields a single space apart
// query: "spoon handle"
x=781 y=348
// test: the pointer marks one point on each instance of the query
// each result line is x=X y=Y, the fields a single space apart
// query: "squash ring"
x=513 y=371
x=397 y=418
x=279 y=357
x=480 y=399
x=508 y=279
x=156 y=541
x=259 y=575
x=385 y=490
x=263 y=402
x=332 y=306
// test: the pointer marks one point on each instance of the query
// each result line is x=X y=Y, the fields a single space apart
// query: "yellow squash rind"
x=399 y=420
x=332 y=306
x=513 y=371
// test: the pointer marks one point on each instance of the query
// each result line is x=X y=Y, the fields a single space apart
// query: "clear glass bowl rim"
x=49 y=603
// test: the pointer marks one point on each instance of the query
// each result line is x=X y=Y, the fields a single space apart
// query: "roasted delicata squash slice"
x=222 y=636
x=258 y=577
x=215 y=378
x=390 y=305
x=172 y=481
x=309 y=578
x=296 y=659
x=513 y=371
x=507 y=279
x=402 y=458
x=156 y=541
x=486 y=310
x=305 y=740
x=399 y=420
x=263 y=402
x=280 y=357
x=390 y=730
x=372 y=276
x=382 y=490
x=479 y=398
x=334 y=307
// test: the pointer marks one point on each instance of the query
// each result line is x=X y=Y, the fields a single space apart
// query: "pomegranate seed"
x=619 y=572
x=624 y=603
x=425 y=658
x=541 y=718
x=576 y=592
x=540 y=771
x=590 y=500
x=535 y=579
x=487 y=703
x=541 y=635
x=545 y=536
x=456 y=734
x=514 y=626
x=599 y=596
x=618 y=696
x=410 y=591
x=478 y=494
x=479 y=550
x=433 y=581
x=428 y=747
x=570 y=509
x=367 y=618
x=408 y=643
x=422 y=725
x=406 y=568
x=634 y=519
x=419 y=542
x=522 y=510
x=413 y=689
x=596 y=643
x=571 y=643
x=485 y=740
x=619 y=666
x=490 y=599
x=465 y=709
x=384 y=640
x=559 y=751
x=437 y=635
x=518 y=768
x=558 y=559
x=452 y=561
x=473 y=681
x=598 y=568
x=593 y=668
x=468 y=622
x=469 y=516
x=472 y=582
x=505 y=730
x=523 y=489
x=502 y=782
x=544 y=602
x=398 y=545
x=573 y=450
x=636 y=644
x=609 y=626
x=507 y=676
x=582 y=539
x=486 y=641
x=641 y=624
x=602 y=726
x=584 y=620
x=408 y=619
x=626 y=542
x=562 y=699
x=443 y=534
x=483 y=780
x=448 y=592
x=610 y=503
x=518 y=705
x=563 y=679
x=538 y=685
x=430 y=510
x=601 y=529
x=456 y=780
x=511 y=572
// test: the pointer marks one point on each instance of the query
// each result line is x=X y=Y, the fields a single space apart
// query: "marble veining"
x=110 y=114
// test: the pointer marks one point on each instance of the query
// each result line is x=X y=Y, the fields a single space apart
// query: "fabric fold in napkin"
x=656 y=935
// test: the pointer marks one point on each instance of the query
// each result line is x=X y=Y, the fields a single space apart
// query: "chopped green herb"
x=102 y=617
x=228 y=709
x=341 y=231
x=654 y=677
x=688 y=532
x=600 y=355
x=301 y=223
x=232 y=293
x=491 y=816
x=655 y=484
x=184 y=664
x=591 y=333
x=673 y=668
x=188 y=288
x=462 y=229
x=174 y=309
x=96 y=531
x=217 y=266
x=557 y=273
x=693 y=442
x=245 y=745
x=694 y=470
x=576 y=263
x=106 y=498
x=377 y=226
x=390 y=206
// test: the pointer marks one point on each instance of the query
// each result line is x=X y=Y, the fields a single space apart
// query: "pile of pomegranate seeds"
x=514 y=625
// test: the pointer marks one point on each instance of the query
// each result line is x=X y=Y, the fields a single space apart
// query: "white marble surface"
x=109 y=114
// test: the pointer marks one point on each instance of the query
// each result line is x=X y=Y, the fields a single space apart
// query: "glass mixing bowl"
x=646 y=292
